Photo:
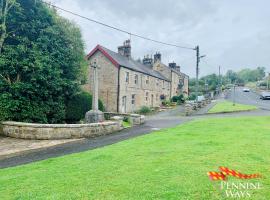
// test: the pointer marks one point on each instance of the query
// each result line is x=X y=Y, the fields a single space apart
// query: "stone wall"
x=135 y=119
x=59 y=131
x=146 y=90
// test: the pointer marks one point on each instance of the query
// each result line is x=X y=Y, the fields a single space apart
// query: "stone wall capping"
x=58 y=131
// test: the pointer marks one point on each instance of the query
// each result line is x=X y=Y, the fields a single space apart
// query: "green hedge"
x=77 y=106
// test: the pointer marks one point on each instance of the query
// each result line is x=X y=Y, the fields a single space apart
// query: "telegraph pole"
x=197 y=70
x=197 y=49
x=268 y=77
x=219 y=80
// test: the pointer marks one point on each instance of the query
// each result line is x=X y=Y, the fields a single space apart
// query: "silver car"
x=265 y=95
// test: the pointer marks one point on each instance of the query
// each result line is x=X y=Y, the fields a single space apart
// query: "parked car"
x=201 y=98
x=246 y=90
x=265 y=95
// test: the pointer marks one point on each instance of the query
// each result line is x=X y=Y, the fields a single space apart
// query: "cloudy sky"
x=232 y=33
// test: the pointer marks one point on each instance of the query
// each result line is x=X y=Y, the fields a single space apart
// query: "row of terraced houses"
x=125 y=85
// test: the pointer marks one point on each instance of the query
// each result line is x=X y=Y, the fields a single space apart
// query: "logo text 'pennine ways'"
x=235 y=189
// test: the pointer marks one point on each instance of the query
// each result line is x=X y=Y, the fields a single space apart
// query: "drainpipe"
x=171 y=86
x=118 y=89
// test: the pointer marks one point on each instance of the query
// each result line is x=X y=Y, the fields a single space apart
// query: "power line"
x=118 y=29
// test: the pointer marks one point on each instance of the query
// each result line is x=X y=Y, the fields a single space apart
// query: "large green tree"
x=40 y=64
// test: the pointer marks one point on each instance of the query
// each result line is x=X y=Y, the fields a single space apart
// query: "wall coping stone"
x=34 y=125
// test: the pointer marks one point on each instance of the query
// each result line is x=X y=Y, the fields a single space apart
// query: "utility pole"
x=219 y=80
x=197 y=70
x=197 y=49
x=234 y=94
x=268 y=77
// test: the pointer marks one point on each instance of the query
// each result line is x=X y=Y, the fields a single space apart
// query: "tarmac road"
x=164 y=119
x=251 y=98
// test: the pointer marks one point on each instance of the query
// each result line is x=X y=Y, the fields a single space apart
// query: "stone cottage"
x=125 y=85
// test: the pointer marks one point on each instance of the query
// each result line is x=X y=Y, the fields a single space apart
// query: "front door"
x=124 y=104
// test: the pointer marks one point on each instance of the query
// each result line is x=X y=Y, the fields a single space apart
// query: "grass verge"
x=228 y=106
x=167 y=164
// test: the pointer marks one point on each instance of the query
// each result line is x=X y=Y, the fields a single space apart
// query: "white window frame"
x=136 y=79
x=146 y=96
x=147 y=80
x=133 y=99
x=127 y=77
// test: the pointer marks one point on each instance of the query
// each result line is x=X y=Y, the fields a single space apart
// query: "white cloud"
x=233 y=34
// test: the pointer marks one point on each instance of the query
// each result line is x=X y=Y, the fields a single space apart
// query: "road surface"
x=251 y=98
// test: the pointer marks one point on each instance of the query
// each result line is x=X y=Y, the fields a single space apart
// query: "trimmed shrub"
x=144 y=110
x=166 y=103
x=178 y=99
x=78 y=105
x=175 y=99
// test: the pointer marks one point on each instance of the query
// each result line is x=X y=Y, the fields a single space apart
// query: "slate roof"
x=128 y=63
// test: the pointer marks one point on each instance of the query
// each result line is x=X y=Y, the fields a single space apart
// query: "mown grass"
x=228 y=106
x=167 y=164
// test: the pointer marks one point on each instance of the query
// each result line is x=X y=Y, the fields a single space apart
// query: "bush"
x=181 y=99
x=178 y=99
x=175 y=99
x=166 y=103
x=192 y=96
x=126 y=119
x=78 y=105
x=144 y=110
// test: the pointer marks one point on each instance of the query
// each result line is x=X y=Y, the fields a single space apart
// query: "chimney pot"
x=125 y=49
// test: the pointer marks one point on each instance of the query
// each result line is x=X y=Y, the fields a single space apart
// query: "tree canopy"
x=211 y=82
x=41 y=63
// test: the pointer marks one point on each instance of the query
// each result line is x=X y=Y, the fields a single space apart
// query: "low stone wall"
x=58 y=131
x=135 y=119
x=191 y=107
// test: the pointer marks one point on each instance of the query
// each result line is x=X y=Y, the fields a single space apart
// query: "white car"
x=201 y=98
x=246 y=90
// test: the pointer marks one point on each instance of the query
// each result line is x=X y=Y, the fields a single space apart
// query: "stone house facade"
x=125 y=85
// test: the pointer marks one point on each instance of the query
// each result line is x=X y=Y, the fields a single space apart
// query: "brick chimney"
x=147 y=60
x=157 y=57
x=125 y=49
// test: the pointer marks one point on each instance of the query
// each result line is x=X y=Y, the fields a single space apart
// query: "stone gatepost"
x=94 y=115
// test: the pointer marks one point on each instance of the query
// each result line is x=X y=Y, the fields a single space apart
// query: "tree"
x=6 y=6
x=40 y=64
x=231 y=76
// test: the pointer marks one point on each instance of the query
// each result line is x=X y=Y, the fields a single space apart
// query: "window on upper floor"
x=146 y=96
x=127 y=77
x=133 y=99
x=157 y=82
x=163 y=84
x=136 y=79
x=147 y=80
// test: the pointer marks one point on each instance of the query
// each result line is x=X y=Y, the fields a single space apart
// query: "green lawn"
x=168 y=164
x=227 y=106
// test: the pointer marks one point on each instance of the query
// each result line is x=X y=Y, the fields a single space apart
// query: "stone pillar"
x=94 y=115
